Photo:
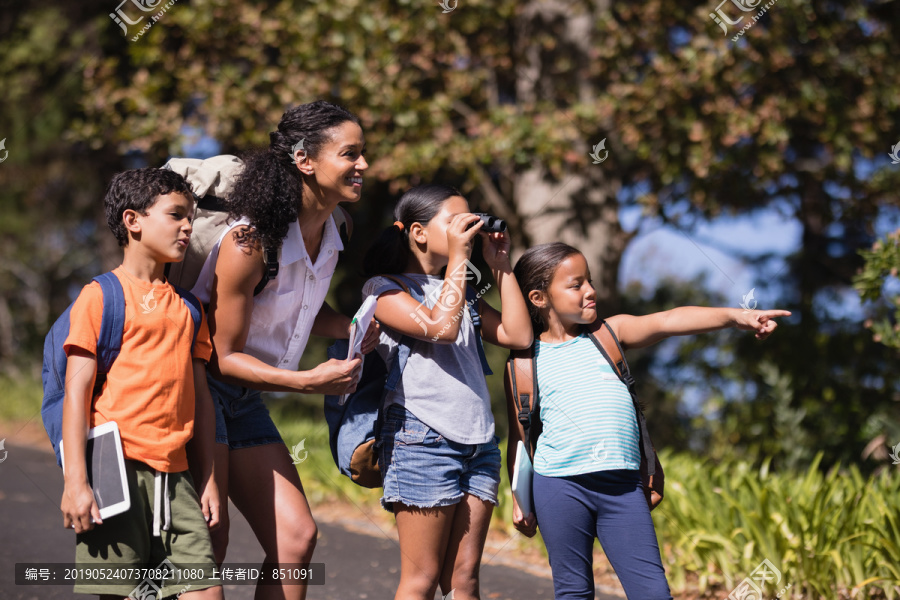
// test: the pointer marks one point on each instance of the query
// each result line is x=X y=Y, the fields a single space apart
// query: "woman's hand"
x=335 y=377
x=526 y=525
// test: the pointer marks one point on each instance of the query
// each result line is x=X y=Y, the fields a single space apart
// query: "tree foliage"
x=507 y=100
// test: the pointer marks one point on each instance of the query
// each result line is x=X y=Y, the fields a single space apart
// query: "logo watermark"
x=751 y=588
x=598 y=452
x=445 y=4
x=895 y=454
x=748 y=299
x=148 y=303
x=146 y=6
x=894 y=153
x=722 y=20
x=6 y=452
x=601 y=145
x=151 y=587
x=422 y=314
x=296 y=452
x=298 y=146
x=5 y=151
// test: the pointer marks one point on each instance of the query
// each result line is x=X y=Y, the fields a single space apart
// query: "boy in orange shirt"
x=155 y=391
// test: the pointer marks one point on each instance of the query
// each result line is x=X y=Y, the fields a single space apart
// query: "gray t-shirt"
x=442 y=384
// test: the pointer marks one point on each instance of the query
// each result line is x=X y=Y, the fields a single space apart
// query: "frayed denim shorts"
x=242 y=419
x=422 y=468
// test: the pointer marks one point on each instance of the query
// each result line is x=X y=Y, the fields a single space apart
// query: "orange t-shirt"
x=149 y=391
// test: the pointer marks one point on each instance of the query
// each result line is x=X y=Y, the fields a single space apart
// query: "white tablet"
x=523 y=473
x=106 y=469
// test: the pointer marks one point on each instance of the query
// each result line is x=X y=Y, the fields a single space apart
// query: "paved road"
x=356 y=566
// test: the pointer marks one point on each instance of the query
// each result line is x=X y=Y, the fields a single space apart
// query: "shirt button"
x=296 y=337
x=305 y=306
x=331 y=252
x=311 y=277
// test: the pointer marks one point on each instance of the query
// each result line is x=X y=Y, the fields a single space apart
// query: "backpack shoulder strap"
x=112 y=323
x=474 y=303
x=344 y=224
x=606 y=341
x=270 y=271
x=404 y=347
x=522 y=391
x=608 y=344
x=193 y=305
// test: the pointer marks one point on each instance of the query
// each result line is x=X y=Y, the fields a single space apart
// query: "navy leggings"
x=608 y=505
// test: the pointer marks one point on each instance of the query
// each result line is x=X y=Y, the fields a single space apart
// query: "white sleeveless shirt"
x=284 y=312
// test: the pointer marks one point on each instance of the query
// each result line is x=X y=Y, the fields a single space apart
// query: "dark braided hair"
x=390 y=253
x=269 y=190
x=138 y=190
x=535 y=270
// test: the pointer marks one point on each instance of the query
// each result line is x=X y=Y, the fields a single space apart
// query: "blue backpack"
x=109 y=343
x=354 y=427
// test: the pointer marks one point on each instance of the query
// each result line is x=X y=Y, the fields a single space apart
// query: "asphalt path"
x=356 y=565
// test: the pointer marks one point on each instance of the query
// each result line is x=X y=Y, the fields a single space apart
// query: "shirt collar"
x=293 y=249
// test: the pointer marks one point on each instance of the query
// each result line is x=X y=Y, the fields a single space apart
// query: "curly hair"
x=535 y=270
x=390 y=253
x=269 y=190
x=138 y=190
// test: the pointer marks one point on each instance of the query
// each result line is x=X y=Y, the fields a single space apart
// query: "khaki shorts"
x=124 y=545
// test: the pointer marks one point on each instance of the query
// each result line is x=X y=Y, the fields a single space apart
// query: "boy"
x=151 y=392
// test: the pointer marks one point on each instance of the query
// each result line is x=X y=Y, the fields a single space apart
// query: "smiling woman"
x=282 y=208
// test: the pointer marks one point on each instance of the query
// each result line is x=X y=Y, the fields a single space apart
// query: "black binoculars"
x=492 y=224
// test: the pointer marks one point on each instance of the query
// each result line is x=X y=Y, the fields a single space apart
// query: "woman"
x=283 y=203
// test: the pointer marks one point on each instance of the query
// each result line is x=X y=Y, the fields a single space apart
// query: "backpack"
x=212 y=181
x=523 y=404
x=109 y=343
x=354 y=427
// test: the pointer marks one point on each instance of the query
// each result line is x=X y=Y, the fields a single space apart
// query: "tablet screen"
x=103 y=470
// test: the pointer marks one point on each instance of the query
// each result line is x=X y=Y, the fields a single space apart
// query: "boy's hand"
x=760 y=321
x=209 y=503
x=80 y=511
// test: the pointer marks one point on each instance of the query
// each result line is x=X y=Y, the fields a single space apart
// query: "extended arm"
x=638 y=332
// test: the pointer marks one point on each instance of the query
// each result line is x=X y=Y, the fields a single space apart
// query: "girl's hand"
x=496 y=250
x=760 y=321
x=459 y=236
x=370 y=341
x=79 y=508
x=526 y=525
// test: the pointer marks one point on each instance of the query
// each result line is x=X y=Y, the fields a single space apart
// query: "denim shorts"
x=422 y=468
x=242 y=420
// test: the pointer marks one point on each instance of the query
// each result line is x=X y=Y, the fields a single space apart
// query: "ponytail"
x=390 y=253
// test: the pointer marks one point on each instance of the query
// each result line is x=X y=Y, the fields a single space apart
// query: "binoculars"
x=492 y=224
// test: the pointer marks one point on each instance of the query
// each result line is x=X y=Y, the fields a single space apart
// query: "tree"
x=510 y=100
